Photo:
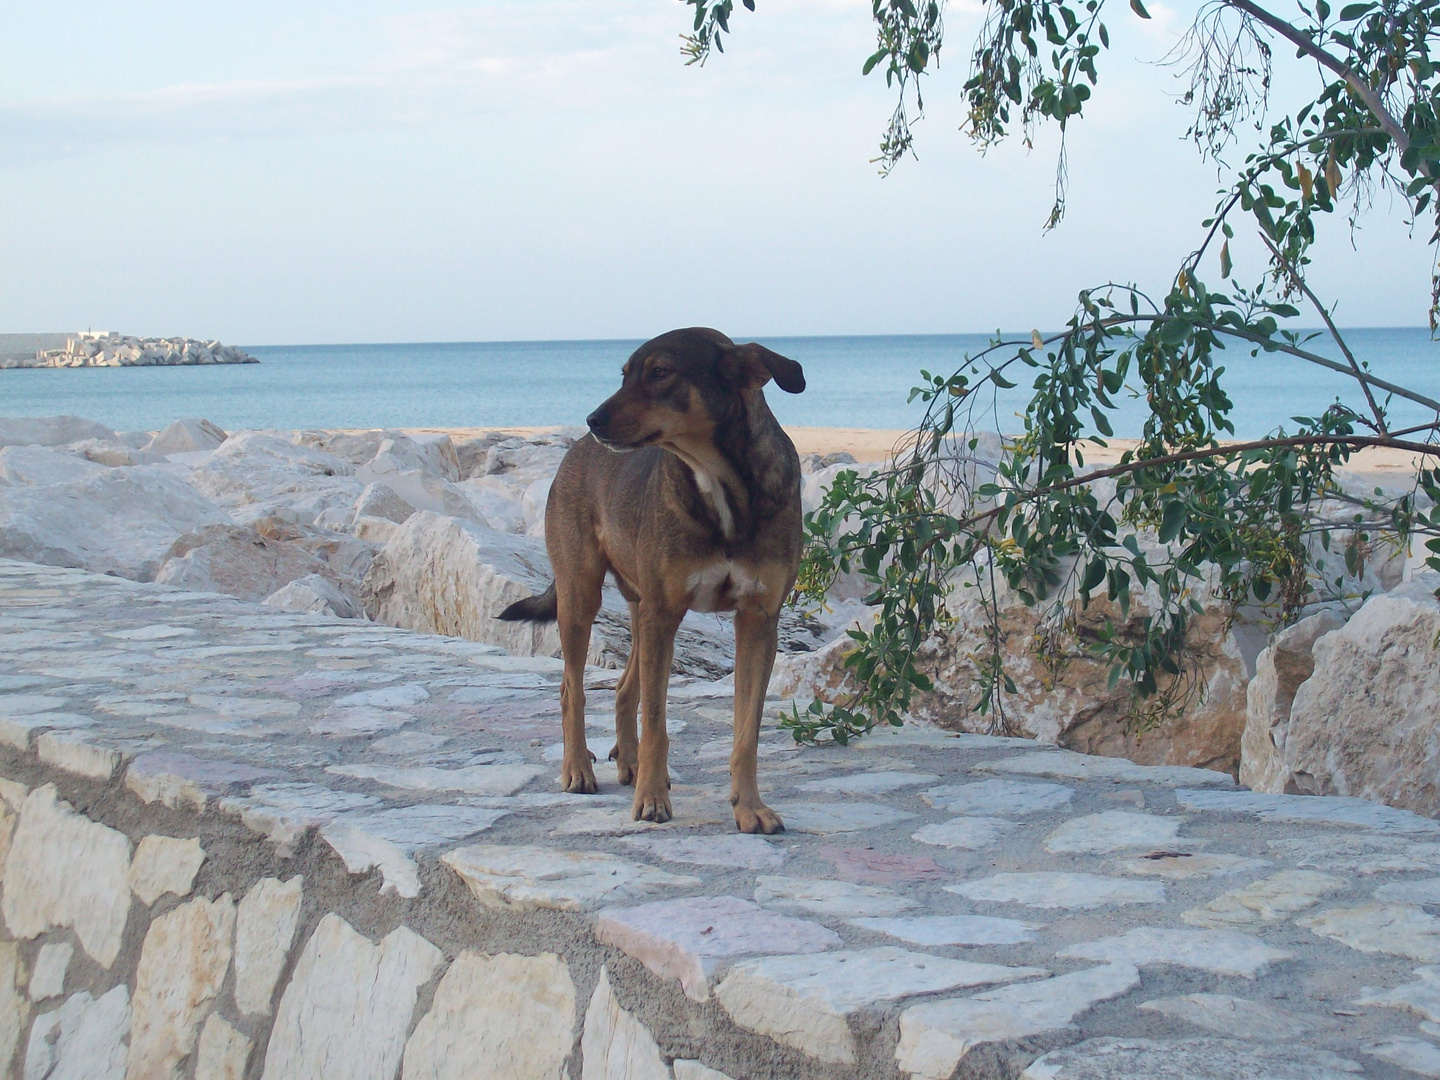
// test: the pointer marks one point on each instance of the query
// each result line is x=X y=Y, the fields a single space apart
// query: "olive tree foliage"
x=1115 y=561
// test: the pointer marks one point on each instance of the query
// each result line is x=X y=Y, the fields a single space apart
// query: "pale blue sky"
x=377 y=170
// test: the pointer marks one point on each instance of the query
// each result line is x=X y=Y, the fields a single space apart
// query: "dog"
x=687 y=491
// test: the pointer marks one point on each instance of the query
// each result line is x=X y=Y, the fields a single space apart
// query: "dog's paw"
x=652 y=805
x=578 y=778
x=758 y=819
x=625 y=767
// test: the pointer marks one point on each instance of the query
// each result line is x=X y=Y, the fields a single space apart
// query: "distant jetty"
x=103 y=348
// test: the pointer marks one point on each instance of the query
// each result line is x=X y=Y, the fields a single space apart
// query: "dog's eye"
x=660 y=373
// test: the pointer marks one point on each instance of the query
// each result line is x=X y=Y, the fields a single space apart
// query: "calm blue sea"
x=853 y=382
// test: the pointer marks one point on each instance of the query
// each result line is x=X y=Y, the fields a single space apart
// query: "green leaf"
x=1000 y=381
x=1171 y=521
x=1139 y=9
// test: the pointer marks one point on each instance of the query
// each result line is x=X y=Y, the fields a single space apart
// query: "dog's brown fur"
x=688 y=492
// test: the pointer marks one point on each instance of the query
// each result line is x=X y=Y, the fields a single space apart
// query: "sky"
x=311 y=171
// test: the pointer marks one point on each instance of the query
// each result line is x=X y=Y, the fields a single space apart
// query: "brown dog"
x=688 y=492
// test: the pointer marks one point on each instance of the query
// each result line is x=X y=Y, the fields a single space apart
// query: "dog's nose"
x=597 y=419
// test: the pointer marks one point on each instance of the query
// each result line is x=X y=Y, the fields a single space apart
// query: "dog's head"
x=682 y=384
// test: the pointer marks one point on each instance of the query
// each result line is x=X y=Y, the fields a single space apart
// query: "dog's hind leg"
x=577 y=601
x=626 y=751
x=656 y=644
x=756 y=636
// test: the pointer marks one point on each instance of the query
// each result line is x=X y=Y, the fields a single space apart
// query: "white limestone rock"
x=258 y=474
x=1334 y=811
x=380 y=501
x=265 y=926
x=829 y=898
x=471 y=779
x=968 y=833
x=1112 y=830
x=538 y=877
x=806 y=1001
x=690 y=939
x=1010 y=798
x=348 y=1006
x=1223 y=952
x=48 y=978
x=50 y=430
x=388 y=838
x=1419 y=1056
x=1421 y=997
x=1279 y=670
x=118 y=521
x=827 y=818
x=314 y=594
x=497 y=505
x=182 y=964
x=1066 y=765
x=874 y=783
x=36 y=466
x=223 y=1052
x=1268 y=900
x=614 y=1045
x=163 y=865
x=84 y=1039
x=502 y=1016
x=1237 y=1018
x=1184 y=865
x=14 y=1009
x=936 y=1035
x=740 y=851
x=74 y=752
x=1423 y=892
x=1189 y=1059
x=236 y=561
x=951 y=929
x=65 y=870
x=687 y=1069
x=1052 y=889
x=1401 y=929
x=187 y=436
x=1364 y=723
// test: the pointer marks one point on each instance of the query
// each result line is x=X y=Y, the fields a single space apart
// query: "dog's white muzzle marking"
x=721 y=586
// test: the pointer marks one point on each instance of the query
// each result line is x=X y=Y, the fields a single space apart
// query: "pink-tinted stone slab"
x=879 y=867
x=688 y=939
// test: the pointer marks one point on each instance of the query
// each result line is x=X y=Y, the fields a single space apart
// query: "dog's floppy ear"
x=752 y=366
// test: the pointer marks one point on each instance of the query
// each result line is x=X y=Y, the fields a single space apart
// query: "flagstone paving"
x=940 y=903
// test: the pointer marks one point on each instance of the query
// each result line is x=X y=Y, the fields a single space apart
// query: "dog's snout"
x=597 y=419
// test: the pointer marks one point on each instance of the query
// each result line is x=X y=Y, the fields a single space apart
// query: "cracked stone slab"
x=1053 y=889
x=967 y=833
x=1068 y=765
x=472 y=780
x=1237 y=1018
x=739 y=851
x=805 y=1001
x=1329 y=809
x=265 y=924
x=1421 y=997
x=875 y=783
x=1184 y=865
x=690 y=939
x=1358 y=853
x=867 y=864
x=1018 y=798
x=827 y=818
x=1419 y=1056
x=613 y=1044
x=822 y=896
x=951 y=929
x=1266 y=901
x=83 y=1039
x=163 y=864
x=527 y=876
x=937 y=1035
x=173 y=778
x=1401 y=929
x=1420 y=893
x=1112 y=830
x=1189 y=1059
x=47 y=979
x=1223 y=952
x=388 y=838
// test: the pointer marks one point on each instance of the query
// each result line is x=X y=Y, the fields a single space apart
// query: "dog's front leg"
x=575 y=611
x=657 y=649
x=756 y=636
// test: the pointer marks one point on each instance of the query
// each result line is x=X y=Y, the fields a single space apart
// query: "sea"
x=857 y=382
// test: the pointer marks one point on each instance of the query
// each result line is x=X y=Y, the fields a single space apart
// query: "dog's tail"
x=532 y=609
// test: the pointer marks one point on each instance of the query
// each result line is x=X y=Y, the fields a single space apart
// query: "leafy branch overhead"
x=1116 y=563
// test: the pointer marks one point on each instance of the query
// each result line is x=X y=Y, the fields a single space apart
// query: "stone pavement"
x=240 y=842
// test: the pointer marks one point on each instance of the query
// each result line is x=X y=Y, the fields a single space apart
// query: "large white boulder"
x=258 y=474
x=434 y=456
x=50 y=430
x=237 y=561
x=444 y=575
x=315 y=595
x=498 y=503
x=380 y=500
x=115 y=521
x=187 y=436
x=1279 y=670
x=1367 y=722
x=37 y=466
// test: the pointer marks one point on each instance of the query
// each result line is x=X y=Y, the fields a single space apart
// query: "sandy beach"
x=1379 y=465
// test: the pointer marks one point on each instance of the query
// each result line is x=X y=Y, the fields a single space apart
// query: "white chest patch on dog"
x=713 y=492
x=721 y=586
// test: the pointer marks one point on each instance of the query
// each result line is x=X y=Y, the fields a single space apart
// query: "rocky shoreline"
x=89 y=349
x=428 y=533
